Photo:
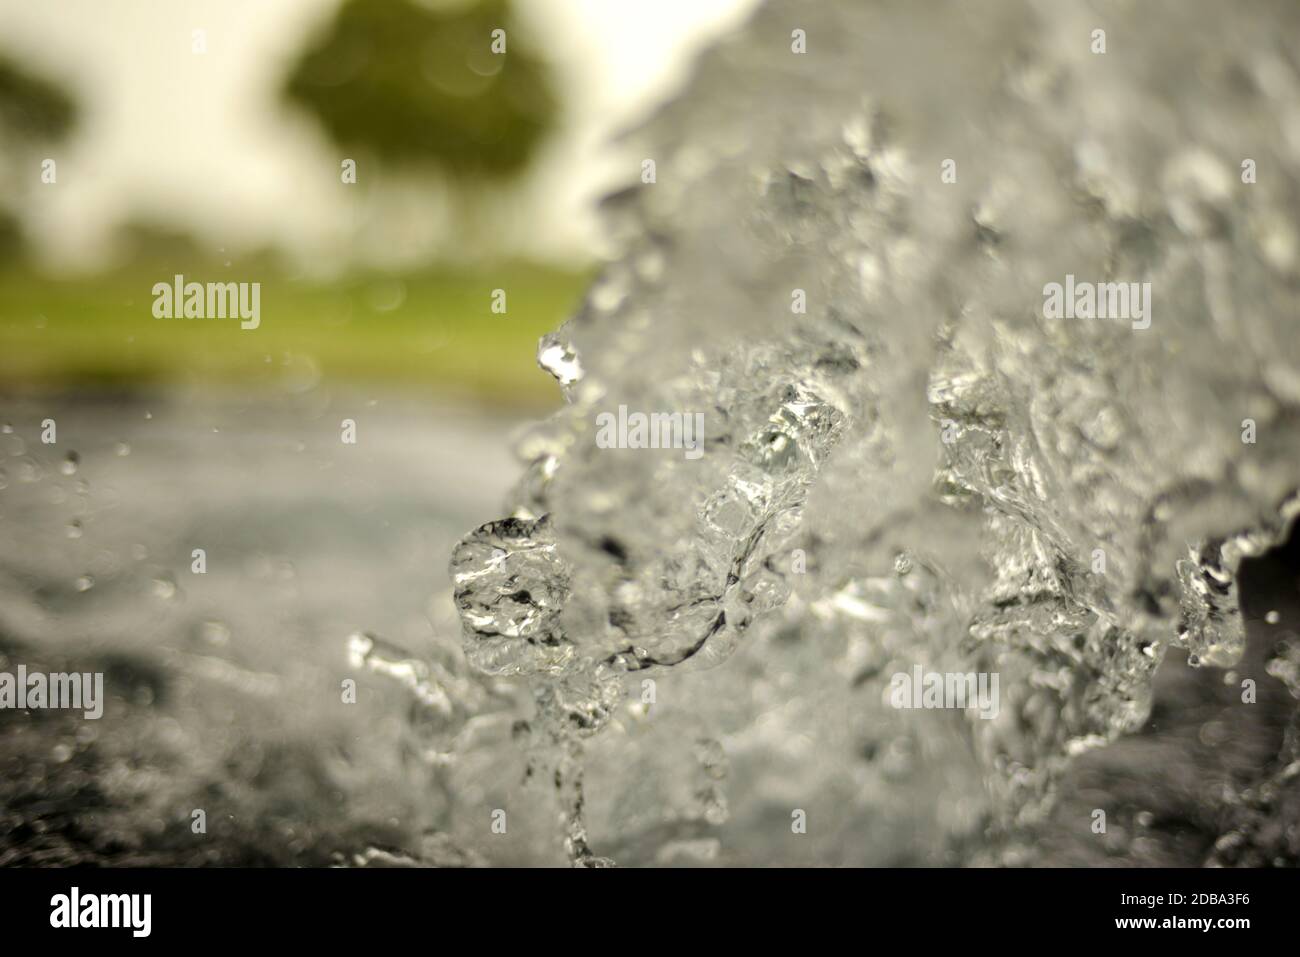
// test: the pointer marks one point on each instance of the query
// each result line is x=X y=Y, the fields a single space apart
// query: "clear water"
x=922 y=469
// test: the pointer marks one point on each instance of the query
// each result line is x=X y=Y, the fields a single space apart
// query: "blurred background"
x=208 y=138
x=141 y=139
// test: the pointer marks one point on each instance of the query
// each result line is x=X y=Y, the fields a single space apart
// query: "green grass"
x=442 y=337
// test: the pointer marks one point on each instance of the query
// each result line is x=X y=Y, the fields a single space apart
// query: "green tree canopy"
x=421 y=85
x=32 y=107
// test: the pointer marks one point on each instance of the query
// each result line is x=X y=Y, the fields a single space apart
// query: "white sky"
x=201 y=140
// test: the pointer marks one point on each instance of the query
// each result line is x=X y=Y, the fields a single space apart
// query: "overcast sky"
x=203 y=140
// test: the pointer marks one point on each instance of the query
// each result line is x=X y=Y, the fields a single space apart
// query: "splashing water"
x=918 y=469
x=664 y=658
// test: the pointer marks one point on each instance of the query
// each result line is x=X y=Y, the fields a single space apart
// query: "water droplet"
x=70 y=463
x=214 y=633
x=511 y=585
x=299 y=372
x=387 y=296
x=85 y=583
x=560 y=359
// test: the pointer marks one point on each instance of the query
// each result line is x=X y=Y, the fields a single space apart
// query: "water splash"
x=1069 y=498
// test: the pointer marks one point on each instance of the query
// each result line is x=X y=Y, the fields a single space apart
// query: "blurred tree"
x=32 y=107
x=33 y=111
x=11 y=238
x=420 y=85
x=163 y=245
